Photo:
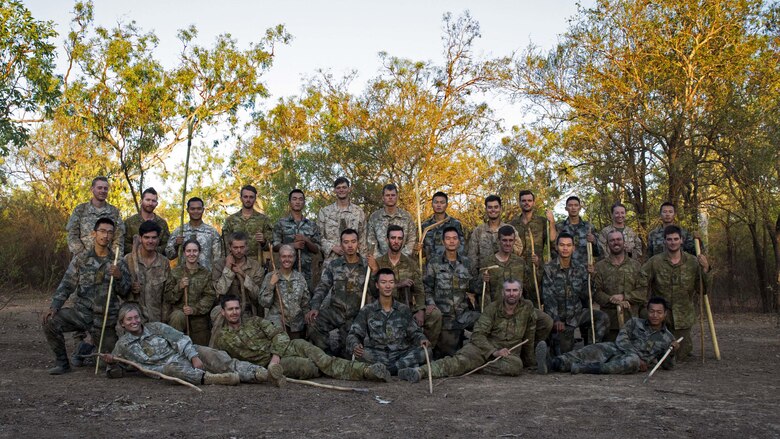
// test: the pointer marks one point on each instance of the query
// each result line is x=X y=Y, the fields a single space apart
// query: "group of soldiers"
x=251 y=305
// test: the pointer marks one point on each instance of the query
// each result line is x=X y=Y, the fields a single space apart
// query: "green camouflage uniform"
x=132 y=223
x=152 y=279
x=284 y=233
x=632 y=243
x=433 y=244
x=257 y=340
x=580 y=233
x=200 y=296
x=483 y=244
x=656 y=243
x=257 y=222
x=625 y=279
x=332 y=220
x=295 y=297
x=538 y=226
x=207 y=237
x=678 y=284
x=636 y=342
x=81 y=224
x=391 y=338
x=87 y=276
x=376 y=231
x=565 y=289
x=227 y=282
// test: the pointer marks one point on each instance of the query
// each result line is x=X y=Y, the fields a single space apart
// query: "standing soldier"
x=300 y=232
x=291 y=286
x=148 y=204
x=528 y=225
x=433 y=242
x=254 y=224
x=633 y=246
x=149 y=270
x=582 y=232
x=206 y=235
x=483 y=243
x=656 y=238
x=82 y=220
x=340 y=216
x=239 y=275
x=390 y=214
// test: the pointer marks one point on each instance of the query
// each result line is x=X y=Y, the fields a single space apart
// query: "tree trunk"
x=761 y=275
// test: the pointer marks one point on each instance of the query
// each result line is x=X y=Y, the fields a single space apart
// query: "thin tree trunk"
x=761 y=276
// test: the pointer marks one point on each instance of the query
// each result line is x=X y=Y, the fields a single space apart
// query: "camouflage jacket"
x=610 y=279
x=81 y=224
x=207 y=236
x=407 y=268
x=295 y=297
x=633 y=245
x=564 y=290
x=344 y=284
x=580 y=233
x=285 y=231
x=158 y=345
x=656 y=244
x=200 y=293
x=513 y=268
x=332 y=221
x=677 y=283
x=256 y=341
x=258 y=222
x=227 y=282
x=446 y=285
x=152 y=279
x=376 y=231
x=132 y=223
x=433 y=244
x=497 y=330
x=538 y=227
x=392 y=331
x=483 y=244
x=638 y=337
x=87 y=276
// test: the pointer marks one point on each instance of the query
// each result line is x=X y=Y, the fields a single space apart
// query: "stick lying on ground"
x=668 y=351
x=148 y=372
x=486 y=364
x=328 y=386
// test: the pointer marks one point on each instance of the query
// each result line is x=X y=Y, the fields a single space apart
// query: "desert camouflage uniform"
x=625 y=279
x=632 y=243
x=295 y=297
x=257 y=222
x=284 y=233
x=81 y=224
x=200 y=297
x=132 y=223
x=87 y=276
x=391 y=338
x=580 y=233
x=207 y=237
x=376 y=231
x=564 y=291
x=257 y=340
x=538 y=226
x=678 y=284
x=332 y=220
x=636 y=342
x=152 y=279
x=433 y=244
x=656 y=243
x=483 y=244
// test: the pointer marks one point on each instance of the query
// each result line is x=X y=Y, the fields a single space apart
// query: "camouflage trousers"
x=566 y=338
x=607 y=355
x=69 y=320
x=451 y=337
x=395 y=360
x=303 y=360
x=199 y=326
x=432 y=326
x=215 y=361
x=327 y=320
x=469 y=358
x=544 y=326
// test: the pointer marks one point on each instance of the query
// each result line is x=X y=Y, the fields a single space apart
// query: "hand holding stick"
x=657 y=365
x=484 y=287
x=710 y=320
x=105 y=311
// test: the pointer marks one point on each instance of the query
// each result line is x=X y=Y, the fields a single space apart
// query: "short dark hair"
x=525 y=192
x=340 y=180
x=618 y=204
x=97 y=179
x=384 y=271
x=513 y=281
x=667 y=203
x=104 y=220
x=195 y=200
x=573 y=197
x=441 y=194
x=228 y=298
x=149 y=226
x=656 y=300
x=506 y=230
x=394 y=228
x=349 y=232
x=449 y=229
x=671 y=230
x=237 y=236
x=149 y=190
x=295 y=191
x=389 y=187
x=491 y=198
x=249 y=188
x=191 y=241
x=564 y=235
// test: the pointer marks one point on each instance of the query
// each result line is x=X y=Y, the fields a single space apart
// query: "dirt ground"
x=736 y=397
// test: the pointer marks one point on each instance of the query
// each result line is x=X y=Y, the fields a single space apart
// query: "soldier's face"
x=619 y=215
x=150 y=240
x=493 y=210
x=287 y=258
x=527 y=203
x=231 y=311
x=342 y=191
x=390 y=198
x=191 y=253
x=149 y=203
x=238 y=249
x=507 y=243
x=297 y=201
x=667 y=214
x=248 y=199
x=104 y=235
x=195 y=210
x=349 y=242
x=673 y=242
x=616 y=243
x=132 y=322
x=439 y=204
x=512 y=292
x=451 y=241
x=100 y=190
x=385 y=285
x=656 y=314
x=396 y=240
x=565 y=247
x=573 y=208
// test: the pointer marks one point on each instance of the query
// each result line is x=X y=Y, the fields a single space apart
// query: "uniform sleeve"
x=278 y=234
x=222 y=277
x=638 y=295
x=596 y=247
x=461 y=237
x=600 y=295
x=415 y=332
x=124 y=284
x=482 y=329
x=527 y=350
x=410 y=233
x=371 y=239
x=646 y=277
x=418 y=292
x=322 y=290
x=164 y=236
x=267 y=292
x=119 y=234
x=206 y=301
x=129 y=234
x=623 y=340
x=473 y=246
x=602 y=240
x=74 y=232
x=252 y=283
x=550 y=302
x=181 y=342
x=216 y=247
x=429 y=284
x=358 y=330
x=327 y=244
x=172 y=292
x=170 y=248
x=316 y=236
x=67 y=285
x=362 y=231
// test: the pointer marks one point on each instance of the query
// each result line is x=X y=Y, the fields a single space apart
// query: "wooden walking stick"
x=278 y=296
x=105 y=311
x=190 y=125
x=533 y=270
x=547 y=250
x=328 y=386
x=475 y=370
x=419 y=222
x=428 y=363
x=186 y=317
x=484 y=287
x=657 y=365
x=150 y=373
x=365 y=290
x=590 y=293
x=620 y=317
x=710 y=320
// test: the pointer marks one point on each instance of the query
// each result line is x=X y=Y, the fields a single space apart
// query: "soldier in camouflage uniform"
x=617 y=283
x=148 y=204
x=632 y=244
x=88 y=276
x=582 y=231
x=292 y=287
x=565 y=287
x=390 y=214
x=342 y=283
x=385 y=332
x=196 y=280
x=527 y=225
x=300 y=232
x=433 y=242
x=82 y=220
x=675 y=276
x=206 y=235
x=260 y=342
x=504 y=324
x=656 y=239
x=449 y=288
x=640 y=345
x=239 y=275
x=340 y=216
x=160 y=348
x=483 y=243
x=149 y=270
x=256 y=225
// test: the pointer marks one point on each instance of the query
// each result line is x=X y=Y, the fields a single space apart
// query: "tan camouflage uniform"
x=81 y=224
x=377 y=231
x=332 y=220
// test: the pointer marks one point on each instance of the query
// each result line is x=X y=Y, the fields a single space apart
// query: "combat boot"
x=225 y=379
x=61 y=368
x=543 y=360
x=411 y=374
x=80 y=356
x=377 y=372
x=276 y=375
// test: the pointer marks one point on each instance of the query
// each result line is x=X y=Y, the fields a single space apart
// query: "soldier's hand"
x=591 y=269
x=311 y=316
x=372 y=263
x=48 y=316
x=358 y=351
x=485 y=276
x=300 y=238
x=472 y=298
x=625 y=304
x=179 y=240
x=337 y=249
x=550 y=217
x=187 y=310
x=115 y=272
x=135 y=287
x=424 y=344
x=275 y=359
x=617 y=298
x=675 y=345
x=419 y=317
x=184 y=282
x=535 y=259
x=705 y=264
x=406 y=283
x=260 y=238
x=642 y=366
x=108 y=358
x=299 y=245
x=274 y=279
x=429 y=309
x=559 y=326
x=501 y=353
x=196 y=363
x=418 y=247
x=229 y=261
